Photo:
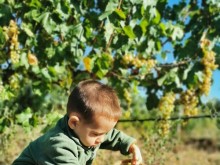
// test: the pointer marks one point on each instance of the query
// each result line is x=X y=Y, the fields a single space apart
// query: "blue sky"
x=215 y=89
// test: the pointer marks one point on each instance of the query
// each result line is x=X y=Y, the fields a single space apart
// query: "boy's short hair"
x=91 y=98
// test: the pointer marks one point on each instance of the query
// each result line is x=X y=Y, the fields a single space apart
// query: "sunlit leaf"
x=143 y=24
x=157 y=18
x=2 y=38
x=24 y=117
x=46 y=74
x=177 y=81
x=159 y=46
x=163 y=28
x=200 y=76
x=186 y=71
x=109 y=31
x=112 y=5
x=161 y=80
x=27 y=29
x=136 y=1
x=105 y=15
x=33 y=14
x=47 y=22
x=35 y=3
x=129 y=32
x=177 y=33
x=120 y=13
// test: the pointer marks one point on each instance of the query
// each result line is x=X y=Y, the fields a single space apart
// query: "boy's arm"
x=117 y=141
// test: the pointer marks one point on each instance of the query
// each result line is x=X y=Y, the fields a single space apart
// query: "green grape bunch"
x=137 y=62
x=11 y=34
x=189 y=100
x=127 y=96
x=164 y=128
x=208 y=61
x=166 y=107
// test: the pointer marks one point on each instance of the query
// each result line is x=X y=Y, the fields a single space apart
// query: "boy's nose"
x=99 y=140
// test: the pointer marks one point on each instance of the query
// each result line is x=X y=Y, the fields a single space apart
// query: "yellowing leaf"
x=32 y=59
x=120 y=13
x=157 y=18
x=129 y=32
x=87 y=63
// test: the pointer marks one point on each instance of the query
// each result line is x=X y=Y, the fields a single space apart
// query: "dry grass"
x=192 y=156
x=15 y=144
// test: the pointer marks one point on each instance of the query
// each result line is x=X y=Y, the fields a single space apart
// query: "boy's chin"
x=88 y=145
x=92 y=146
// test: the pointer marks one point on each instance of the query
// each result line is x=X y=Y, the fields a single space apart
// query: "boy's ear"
x=73 y=121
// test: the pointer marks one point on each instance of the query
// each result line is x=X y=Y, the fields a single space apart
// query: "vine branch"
x=173 y=65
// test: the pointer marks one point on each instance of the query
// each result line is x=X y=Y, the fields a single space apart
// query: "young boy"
x=93 y=110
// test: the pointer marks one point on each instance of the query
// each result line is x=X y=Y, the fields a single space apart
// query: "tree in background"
x=47 y=46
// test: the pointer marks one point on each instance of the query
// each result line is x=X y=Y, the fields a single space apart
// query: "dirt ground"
x=189 y=155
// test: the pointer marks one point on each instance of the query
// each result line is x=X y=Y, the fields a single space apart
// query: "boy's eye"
x=95 y=134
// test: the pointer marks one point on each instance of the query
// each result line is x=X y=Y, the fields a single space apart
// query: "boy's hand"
x=136 y=158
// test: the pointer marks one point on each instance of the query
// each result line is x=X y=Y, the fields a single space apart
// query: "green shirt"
x=60 y=146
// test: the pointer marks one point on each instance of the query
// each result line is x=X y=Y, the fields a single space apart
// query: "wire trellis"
x=154 y=119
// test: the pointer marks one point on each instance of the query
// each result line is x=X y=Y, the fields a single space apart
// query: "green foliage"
x=54 y=37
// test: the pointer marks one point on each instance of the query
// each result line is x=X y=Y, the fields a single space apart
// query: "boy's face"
x=92 y=134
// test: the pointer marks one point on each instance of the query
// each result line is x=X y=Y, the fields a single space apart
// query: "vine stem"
x=173 y=65
x=119 y=5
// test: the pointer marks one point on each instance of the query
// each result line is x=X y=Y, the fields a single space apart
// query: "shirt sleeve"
x=117 y=141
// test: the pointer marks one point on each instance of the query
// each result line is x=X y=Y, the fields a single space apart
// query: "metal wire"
x=171 y=118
